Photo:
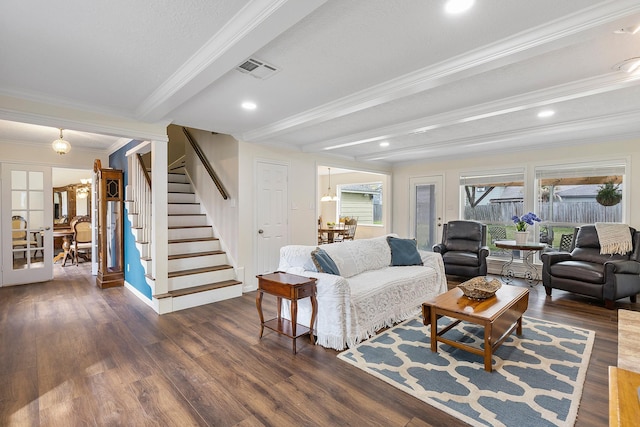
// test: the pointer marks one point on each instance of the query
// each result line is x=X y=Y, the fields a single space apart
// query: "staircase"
x=198 y=270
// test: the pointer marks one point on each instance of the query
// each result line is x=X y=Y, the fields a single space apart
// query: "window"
x=567 y=197
x=358 y=194
x=361 y=201
x=493 y=199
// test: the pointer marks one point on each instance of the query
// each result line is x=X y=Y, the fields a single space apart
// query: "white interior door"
x=426 y=210
x=27 y=221
x=271 y=214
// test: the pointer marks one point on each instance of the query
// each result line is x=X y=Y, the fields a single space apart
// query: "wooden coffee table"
x=500 y=315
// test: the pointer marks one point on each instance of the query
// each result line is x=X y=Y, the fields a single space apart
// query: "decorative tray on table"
x=480 y=287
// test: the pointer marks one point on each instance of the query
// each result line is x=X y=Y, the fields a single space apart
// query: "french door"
x=426 y=210
x=27 y=219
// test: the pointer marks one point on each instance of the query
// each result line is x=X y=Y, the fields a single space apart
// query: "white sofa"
x=368 y=295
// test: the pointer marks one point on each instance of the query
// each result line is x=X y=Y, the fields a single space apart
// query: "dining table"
x=67 y=236
x=332 y=232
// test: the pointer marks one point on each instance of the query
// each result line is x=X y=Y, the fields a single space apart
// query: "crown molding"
x=535 y=99
x=121 y=142
x=621 y=122
x=256 y=24
x=39 y=145
x=26 y=111
x=525 y=44
x=445 y=156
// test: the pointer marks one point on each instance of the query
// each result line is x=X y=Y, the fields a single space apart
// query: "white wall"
x=451 y=169
x=303 y=197
x=222 y=153
x=177 y=143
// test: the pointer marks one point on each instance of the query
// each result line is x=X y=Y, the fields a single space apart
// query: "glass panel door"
x=26 y=224
x=426 y=210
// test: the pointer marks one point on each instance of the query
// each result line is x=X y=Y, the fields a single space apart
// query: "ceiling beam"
x=525 y=45
x=39 y=113
x=531 y=100
x=254 y=26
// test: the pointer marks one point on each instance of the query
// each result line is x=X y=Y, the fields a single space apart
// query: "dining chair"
x=82 y=236
x=322 y=236
x=349 y=232
x=20 y=236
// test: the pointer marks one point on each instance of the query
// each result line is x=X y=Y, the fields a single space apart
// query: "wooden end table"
x=293 y=288
x=500 y=315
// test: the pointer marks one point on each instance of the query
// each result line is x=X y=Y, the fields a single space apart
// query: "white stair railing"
x=141 y=198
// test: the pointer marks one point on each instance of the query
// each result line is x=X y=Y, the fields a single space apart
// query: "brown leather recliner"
x=464 y=248
x=587 y=272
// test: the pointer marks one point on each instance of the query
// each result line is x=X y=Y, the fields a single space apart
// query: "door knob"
x=260 y=231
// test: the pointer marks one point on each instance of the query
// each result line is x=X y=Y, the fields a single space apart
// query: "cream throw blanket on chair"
x=615 y=238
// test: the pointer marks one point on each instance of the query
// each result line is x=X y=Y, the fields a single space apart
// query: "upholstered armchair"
x=587 y=272
x=464 y=248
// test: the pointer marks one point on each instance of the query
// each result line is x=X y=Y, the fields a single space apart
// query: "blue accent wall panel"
x=133 y=271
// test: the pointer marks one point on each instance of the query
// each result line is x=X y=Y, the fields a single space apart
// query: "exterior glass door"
x=27 y=218
x=426 y=215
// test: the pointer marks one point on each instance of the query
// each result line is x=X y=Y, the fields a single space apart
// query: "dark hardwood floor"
x=72 y=354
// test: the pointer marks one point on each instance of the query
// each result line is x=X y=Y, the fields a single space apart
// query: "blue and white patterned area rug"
x=537 y=378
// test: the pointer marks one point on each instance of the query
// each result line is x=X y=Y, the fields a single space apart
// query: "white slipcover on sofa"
x=368 y=295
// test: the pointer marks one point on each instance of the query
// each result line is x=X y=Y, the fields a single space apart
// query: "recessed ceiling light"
x=628 y=65
x=458 y=6
x=384 y=144
x=628 y=30
x=248 y=105
x=546 y=113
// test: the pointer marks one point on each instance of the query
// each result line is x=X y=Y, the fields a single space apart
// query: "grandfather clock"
x=109 y=223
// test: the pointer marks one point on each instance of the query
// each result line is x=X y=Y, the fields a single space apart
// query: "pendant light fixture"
x=61 y=146
x=328 y=197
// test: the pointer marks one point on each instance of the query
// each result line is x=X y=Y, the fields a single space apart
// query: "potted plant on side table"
x=521 y=226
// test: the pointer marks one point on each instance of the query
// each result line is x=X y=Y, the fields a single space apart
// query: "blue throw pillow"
x=323 y=262
x=404 y=251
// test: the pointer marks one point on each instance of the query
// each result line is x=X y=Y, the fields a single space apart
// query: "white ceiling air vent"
x=257 y=68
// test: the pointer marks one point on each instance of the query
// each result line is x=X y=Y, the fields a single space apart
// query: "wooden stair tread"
x=196 y=289
x=195 y=254
x=178 y=178
x=179 y=273
x=193 y=239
